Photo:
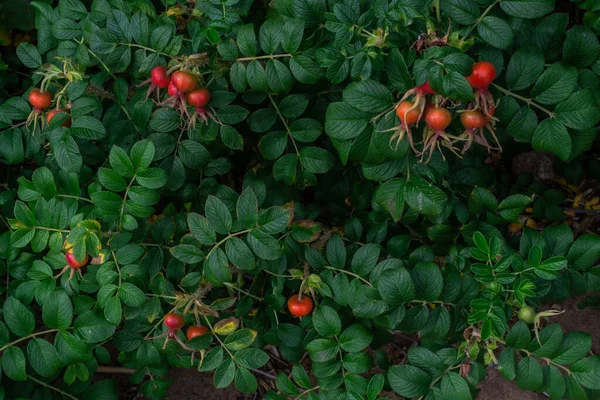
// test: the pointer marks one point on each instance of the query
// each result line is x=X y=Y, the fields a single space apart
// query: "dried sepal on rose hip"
x=173 y=322
x=482 y=76
x=475 y=122
x=435 y=135
x=199 y=99
x=182 y=82
x=40 y=101
x=159 y=79
x=73 y=264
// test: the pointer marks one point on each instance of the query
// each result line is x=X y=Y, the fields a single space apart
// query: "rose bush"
x=272 y=191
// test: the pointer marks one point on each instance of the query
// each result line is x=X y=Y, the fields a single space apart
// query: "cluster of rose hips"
x=174 y=322
x=183 y=90
x=42 y=100
x=478 y=116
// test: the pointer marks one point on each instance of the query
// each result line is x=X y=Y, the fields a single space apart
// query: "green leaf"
x=496 y=32
x=187 y=253
x=263 y=245
x=87 y=127
x=240 y=339
x=586 y=372
x=246 y=209
x=527 y=8
x=424 y=197
x=120 y=162
x=336 y=252
x=43 y=357
x=464 y=12
x=525 y=66
x=29 y=55
x=529 y=374
x=316 y=160
x=584 y=252
x=142 y=154
x=555 y=84
x=396 y=286
x=304 y=69
x=321 y=350
x=239 y=254
x=428 y=280
x=554 y=382
x=291 y=35
x=507 y=363
x=246 y=40
x=91 y=327
x=579 y=110
x=284 y=169
x=193 y=154
x=201 y=229
x=368 y=96
x=57 y=311
x=427 y=360
x=219 y=217
x=65 y=29
x=455 y=387
x=273 y=144
x=581 y=47
x=365 y=259
x=256 y=76
x=409 y=381
x=251 y=358
x=224 y=373
x=270 y=35
x=551 y=136
x=342 y=121
x=355 y=338
x=232 y=114
x=131 y=295
x=326 y=321
x=245 y=381
x=574 y=346
x=18 y=318
x=13 y=364
x=164 y=120
x=237 y=76
x=231 y=137
x=279 y=77
x=513 y=206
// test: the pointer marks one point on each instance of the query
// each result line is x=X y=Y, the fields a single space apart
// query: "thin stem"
x=145 y=48
x=57 y=390
x=74 y=197
x=277 y=275
x=14 y=126
x=264 y=57
x=438 y=12
x=218 y=338
x=549 y=361
x=26 y=338
x=442 y=375
x=287 y=128
x=125 y=201
x=52 y=229
x=306 y=392
x=525 y=99
x=478 y=21
x=432 y=302
x=229 y=285
x=349 y=273
x=117 y=265
x=226 y=239
x=162 y=296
